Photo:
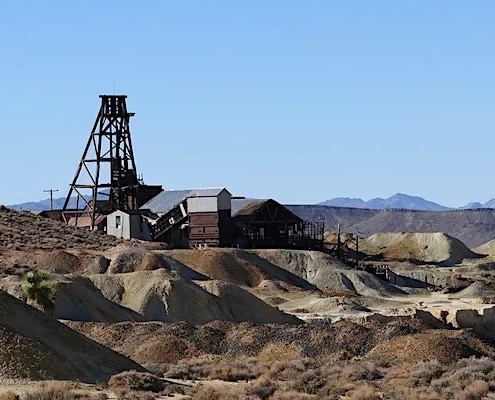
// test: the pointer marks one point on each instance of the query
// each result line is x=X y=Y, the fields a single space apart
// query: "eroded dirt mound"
x=132 y=260
x=477 y=289
x=443 y=346
x=433 y=248
x=59 y=261
x=328 y=273
x=487 y=248
x=36 y=346
x=21 y=230
x=162 y=295
x=295 y=268
x=165 y=343
x=245 y=268
x=77 y=299
x=244 y=306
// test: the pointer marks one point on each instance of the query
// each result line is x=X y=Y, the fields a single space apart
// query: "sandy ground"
x=126 y=286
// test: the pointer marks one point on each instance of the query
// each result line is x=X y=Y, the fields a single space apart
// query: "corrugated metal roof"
x=246 y=206
x=207 y=192
x=166 y=200
x=169 y=199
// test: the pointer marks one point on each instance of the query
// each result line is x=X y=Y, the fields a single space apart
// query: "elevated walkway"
x=167 y=221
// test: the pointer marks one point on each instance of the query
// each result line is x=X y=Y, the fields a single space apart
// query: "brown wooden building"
x=265 y=223
x=210 y=222
x=191 y=218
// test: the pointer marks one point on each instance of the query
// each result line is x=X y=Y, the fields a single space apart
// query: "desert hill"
x=24 y=231
x=421 y=248
x=36 y=346
x=170 y=343
x=472 y=227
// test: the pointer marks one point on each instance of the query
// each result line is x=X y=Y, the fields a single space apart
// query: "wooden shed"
x=210 y=222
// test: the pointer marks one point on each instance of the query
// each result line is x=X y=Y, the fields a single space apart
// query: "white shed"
x=127 y=225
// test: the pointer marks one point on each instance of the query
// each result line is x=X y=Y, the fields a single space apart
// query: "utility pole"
x=51 y=196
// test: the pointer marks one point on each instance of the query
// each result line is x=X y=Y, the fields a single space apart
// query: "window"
x=117 y=221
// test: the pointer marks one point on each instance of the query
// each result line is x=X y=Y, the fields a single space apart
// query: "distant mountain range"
x=44 y=205
x=397 y=201
x=401 y=201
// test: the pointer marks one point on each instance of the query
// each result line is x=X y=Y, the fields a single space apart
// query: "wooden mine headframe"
x=106 y=178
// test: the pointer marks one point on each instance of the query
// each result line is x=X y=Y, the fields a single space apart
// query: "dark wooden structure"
x=212 y=229
x=106 y=178
x=268 y=224
x=210 y=221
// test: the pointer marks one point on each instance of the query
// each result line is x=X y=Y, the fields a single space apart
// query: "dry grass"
x=9 y=396
x=358 y=379
x=54 y=391
x=140 y=381
x=280 y=351
x=202 y=392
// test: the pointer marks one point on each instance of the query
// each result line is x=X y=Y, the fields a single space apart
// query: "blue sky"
x=299 y=101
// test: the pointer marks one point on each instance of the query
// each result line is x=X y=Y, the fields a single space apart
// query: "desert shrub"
x=192 y=369
x=362 y=372
x=291 y=395
x=133 y=395
x=100 y=396
x=141 y=381
x=39 y=289
x=207 y=368
x=262 y=388
x=364 y=392
x=155 y=368
x=290 y=370
x=335 y=388
x=425 y=372
x=53 y=392
x=309 y=381
x=202 y=392
x=280 y=351
x=9 y=396
x=476 y=390
x=234 y=371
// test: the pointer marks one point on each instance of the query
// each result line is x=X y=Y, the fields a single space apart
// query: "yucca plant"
x=39 y=290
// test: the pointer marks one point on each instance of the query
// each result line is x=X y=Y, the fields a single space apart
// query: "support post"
x=51 y=196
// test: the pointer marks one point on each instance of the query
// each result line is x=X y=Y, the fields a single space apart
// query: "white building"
x=127 y=225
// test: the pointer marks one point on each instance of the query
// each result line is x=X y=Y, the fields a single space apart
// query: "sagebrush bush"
x=137 y=381
x=9 y=396
x=365 y=392
x=52 y=392
x=201 y=392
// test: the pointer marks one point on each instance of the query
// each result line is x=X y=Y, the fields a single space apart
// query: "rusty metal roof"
x=246 y=206
x=85 y=221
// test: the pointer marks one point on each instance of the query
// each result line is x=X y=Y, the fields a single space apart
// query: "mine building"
x=201 y=218
x=128 y=224
x=190 y=218
x=265 y=223
x=110 y=196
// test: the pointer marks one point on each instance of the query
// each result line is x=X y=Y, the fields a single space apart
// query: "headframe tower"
x=106 y=178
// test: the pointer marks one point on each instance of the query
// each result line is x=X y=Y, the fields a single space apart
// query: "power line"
x=51 y=196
